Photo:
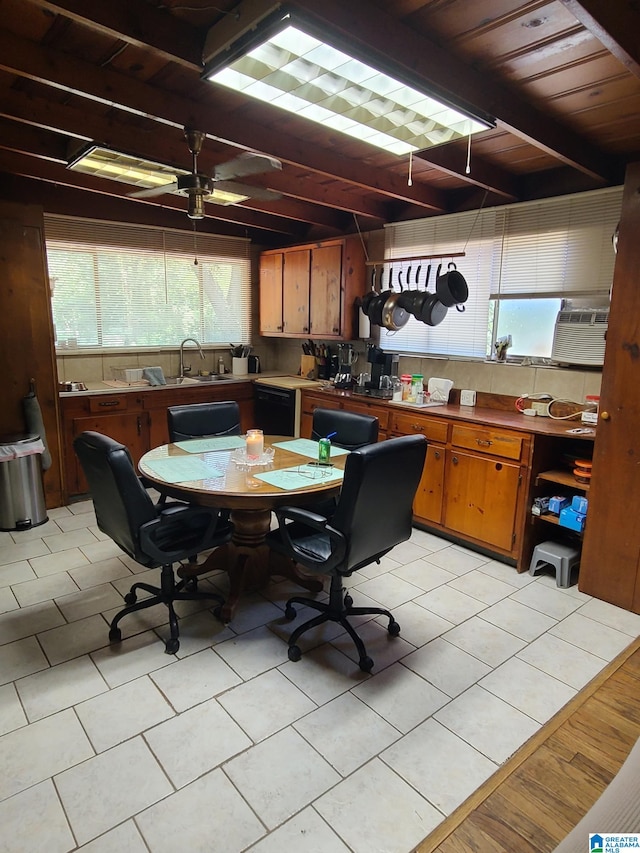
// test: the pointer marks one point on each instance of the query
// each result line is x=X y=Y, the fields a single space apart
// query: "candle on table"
x=255 y=443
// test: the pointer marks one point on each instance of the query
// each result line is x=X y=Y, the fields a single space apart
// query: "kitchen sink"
x=194 y=380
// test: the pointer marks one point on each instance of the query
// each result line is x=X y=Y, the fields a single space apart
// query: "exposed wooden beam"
x=399 y=48
x=615 y=24
x=138 y=23
x=452 y=160
x=51 y=67
x=306 y=200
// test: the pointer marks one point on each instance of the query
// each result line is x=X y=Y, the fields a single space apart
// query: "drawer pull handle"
x=109 y=403
x=417 y=427
x=437 y=454
x=484 y=442
x=455 y=460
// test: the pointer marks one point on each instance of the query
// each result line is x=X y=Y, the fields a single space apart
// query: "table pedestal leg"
x=248 y=560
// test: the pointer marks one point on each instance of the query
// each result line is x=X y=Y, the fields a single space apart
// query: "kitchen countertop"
x=479 y=415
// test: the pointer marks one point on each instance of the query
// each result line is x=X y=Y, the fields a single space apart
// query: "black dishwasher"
x=274 y=410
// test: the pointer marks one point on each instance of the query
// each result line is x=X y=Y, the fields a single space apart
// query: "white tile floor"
x=229 y=746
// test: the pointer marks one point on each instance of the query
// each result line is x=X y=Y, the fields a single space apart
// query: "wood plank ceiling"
x=561 y=78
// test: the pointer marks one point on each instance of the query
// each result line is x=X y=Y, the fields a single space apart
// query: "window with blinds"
x=118 y=285
x=520 y=262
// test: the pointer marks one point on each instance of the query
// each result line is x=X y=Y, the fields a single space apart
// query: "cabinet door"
x=130 y=429
x=427 y=504
x=481 y=498
x=271 y=293
x=295 y=292
x=325 y=295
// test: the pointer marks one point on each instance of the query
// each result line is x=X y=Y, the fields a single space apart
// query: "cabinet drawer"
x=310 y=404
x=431 y=428
x=497 y=443
x=108 y=403
x=368 y=409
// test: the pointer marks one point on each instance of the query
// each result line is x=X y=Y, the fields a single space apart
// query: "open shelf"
x=565 y=478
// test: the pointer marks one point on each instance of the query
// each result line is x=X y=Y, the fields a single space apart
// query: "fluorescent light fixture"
x=289 y=68
x=145 y=174
x=104 y=163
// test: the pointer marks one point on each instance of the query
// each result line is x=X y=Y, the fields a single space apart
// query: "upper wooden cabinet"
x=309 y=291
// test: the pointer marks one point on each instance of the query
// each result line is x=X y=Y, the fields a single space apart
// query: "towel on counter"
x=154 y=375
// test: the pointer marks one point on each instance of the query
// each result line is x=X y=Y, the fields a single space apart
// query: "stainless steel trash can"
x=22 y=502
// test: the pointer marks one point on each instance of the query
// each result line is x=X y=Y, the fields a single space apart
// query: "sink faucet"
x=185 y=368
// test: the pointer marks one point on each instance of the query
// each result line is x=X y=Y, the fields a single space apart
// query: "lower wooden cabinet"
x=427 y=504
x=481 y=498
x=137 y=419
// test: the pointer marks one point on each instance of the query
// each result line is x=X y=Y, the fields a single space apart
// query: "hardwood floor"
x=544 y=789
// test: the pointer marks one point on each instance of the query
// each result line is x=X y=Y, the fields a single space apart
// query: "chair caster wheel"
x=171 y=646
x=290 y=613
x=348 y=601
x=294 y=653
x=366 y=664
x=394 y=628
x=115 y=635
x=130 y=598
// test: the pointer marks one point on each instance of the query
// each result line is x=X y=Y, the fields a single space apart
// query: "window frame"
x=194 y=253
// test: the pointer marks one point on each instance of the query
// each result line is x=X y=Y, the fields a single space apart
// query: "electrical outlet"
x=467 y=398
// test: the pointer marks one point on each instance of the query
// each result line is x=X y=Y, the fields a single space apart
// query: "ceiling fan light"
x=195 y=208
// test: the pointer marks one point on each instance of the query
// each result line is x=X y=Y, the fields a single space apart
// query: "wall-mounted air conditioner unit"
x=579 y=336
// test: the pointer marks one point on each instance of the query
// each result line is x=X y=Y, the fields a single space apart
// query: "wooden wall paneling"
x=26 y=332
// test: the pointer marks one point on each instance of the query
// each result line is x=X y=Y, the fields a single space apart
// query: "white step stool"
x=562 y=558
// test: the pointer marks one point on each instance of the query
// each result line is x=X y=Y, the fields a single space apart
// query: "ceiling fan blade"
x=246 y=164
x=153 y=191
x=246 y=189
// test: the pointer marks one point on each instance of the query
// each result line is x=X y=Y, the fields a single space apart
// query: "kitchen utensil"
x=451 y=286
x=394 y=316
x=433 y=311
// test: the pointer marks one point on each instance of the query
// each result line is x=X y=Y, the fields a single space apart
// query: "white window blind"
x=560 y=247
x=122 y=285
x=479 y=236
x=554 y=248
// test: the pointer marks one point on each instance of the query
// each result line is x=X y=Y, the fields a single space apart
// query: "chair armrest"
x=180 y=531
x=298 y=538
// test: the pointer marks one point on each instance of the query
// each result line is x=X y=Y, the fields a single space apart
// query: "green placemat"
x=205 y=445
x=307 y=447
x=300 y=477
x=183 y=469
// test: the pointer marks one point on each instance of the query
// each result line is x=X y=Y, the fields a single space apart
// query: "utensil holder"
x=239 y=366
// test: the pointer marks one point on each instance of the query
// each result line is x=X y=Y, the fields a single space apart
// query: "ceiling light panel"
x=104 y=163
x=298 y=73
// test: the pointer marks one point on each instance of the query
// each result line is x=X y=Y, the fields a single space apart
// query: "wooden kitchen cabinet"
x=321 y=400
x=137 y=419
x=309 y=291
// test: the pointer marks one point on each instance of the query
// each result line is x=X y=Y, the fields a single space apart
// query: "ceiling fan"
x=199 y=187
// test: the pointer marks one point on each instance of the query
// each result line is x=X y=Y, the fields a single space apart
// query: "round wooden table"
x=246 y=558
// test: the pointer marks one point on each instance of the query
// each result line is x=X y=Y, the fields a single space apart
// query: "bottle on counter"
x=221 y=367
x=417 y=388
x=405 y=381
x=396 y=388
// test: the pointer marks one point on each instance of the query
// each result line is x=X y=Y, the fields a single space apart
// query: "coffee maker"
x=347 y=358
x=384 y=366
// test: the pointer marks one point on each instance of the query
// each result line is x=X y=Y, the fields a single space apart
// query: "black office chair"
x=351 y=430
x=203 y=420
x=373 y=515
x=152 y=534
